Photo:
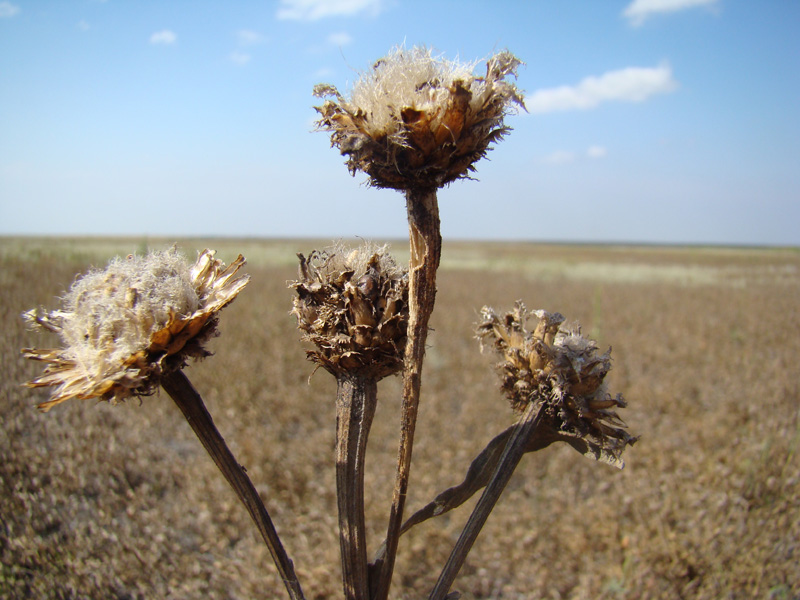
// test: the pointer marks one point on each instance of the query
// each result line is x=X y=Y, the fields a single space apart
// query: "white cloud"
x=638 y=11
x=633 y=84
x=165 y=36
x=246 y=37
x=311 y=10
x=8 y=10
x=563 y=157
x=596 y=152
x=83 y=25
x=560 y=157
x=240 y=58
x=340 y=39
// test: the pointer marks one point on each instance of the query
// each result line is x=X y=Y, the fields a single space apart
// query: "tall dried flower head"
x=353 y=305
x=416 y=121
x=125 y=326
x=563 y=370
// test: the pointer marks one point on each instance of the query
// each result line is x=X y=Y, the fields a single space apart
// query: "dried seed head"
x=419 y=122
x=353 y=305
x=124 y=326
x=563 y=370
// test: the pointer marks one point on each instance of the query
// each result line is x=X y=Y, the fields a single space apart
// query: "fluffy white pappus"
x=419 y=80
x=405 y=79
x=111 y=314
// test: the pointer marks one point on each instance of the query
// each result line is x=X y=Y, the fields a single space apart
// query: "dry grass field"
x=101 y=501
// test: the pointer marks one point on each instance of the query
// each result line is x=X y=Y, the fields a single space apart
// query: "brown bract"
x=419 y=122
x=353 y=305
x=125 y=326
x=563 y=370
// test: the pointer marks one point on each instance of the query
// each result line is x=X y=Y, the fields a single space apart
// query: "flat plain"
x=101 y=501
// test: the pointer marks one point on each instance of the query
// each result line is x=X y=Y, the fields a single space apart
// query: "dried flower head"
x=563 y=370
x=353 y=305
x=416 y=121
x=124 y=326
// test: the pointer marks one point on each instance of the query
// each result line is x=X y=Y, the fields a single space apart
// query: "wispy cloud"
x=239 y=58
x=165 y=36
x=563 y=157
x=638 y=11
x=560 y=157
x=311 y=10
x=596 y=152
x=8 y=10
x=633 y=84
x=246 y=37
x=83 y=25
x=340 y=39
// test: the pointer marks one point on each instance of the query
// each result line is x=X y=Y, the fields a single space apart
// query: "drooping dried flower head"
x=124 y=326
x=416 y=121
x=563 y=370
x=353 y=305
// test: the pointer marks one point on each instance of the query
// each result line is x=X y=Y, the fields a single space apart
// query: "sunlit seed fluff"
x=415 y=121
x=560 y=368
x=123 y=326
x=352 y=303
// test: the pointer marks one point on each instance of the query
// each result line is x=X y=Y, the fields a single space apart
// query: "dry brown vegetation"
x=103 y=501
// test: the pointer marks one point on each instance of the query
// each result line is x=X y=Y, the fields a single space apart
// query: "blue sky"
x=672 y=121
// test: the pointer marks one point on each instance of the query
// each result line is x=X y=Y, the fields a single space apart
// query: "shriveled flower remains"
x=353 y=305
x=563 y=370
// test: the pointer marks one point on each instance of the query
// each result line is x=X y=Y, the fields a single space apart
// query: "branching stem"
x=181 y=390
x=514 y=450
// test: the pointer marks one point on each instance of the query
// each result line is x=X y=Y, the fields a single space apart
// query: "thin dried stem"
x=356 y=400
x=426 y=248
x=514 y=450
x=180 y=389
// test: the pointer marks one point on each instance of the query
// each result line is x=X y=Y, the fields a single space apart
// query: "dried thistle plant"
x=563 y=371
x=415 y=123
x=125 y=327
x=418 y=121
x=130 y=328
x=353 y=305
x=554 y=378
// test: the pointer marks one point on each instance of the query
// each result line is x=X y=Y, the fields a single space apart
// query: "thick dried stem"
x=514 y=450
x=426 y=249
x=191 y=404
x=356 y=400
